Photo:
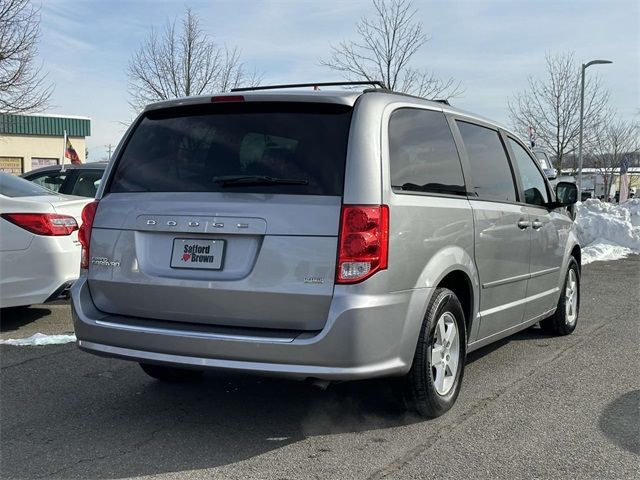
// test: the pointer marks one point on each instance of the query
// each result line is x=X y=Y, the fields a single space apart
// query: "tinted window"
x=533 y=184
x=87 y=183
x=188 y=149
x=11 y=186
x=422 y=152
x=492 y=178
x=52 y=180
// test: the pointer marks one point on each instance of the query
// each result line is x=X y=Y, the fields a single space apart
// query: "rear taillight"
x=84 y=234
x=47 y=224
x=364 y=242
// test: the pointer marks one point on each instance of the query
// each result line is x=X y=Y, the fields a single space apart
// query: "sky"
x=490 y=46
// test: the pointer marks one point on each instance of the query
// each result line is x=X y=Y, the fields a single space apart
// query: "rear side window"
x=87 y=183
x=423 y=154
x=492 y=177
x=189 y=149
x=52 y=181
x=533 y=184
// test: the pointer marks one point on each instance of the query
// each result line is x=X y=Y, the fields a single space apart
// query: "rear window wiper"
x=433 y=187
x=242 y=180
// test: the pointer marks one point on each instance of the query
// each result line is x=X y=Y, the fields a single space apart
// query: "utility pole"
x=582 y=69
x=109 y=148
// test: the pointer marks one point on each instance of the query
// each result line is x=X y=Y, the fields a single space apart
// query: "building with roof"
x=33 y=141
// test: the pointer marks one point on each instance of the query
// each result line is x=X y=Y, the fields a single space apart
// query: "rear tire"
x=433 y=383
x=170 y=374
x=564 y=321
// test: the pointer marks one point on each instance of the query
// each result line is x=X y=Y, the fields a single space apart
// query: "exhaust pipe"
x=321 y=385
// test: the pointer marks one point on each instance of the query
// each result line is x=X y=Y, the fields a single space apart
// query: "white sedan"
x=39 y=248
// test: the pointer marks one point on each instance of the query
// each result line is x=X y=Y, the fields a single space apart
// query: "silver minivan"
x=322 y=235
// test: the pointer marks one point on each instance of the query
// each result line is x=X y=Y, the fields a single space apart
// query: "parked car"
x=545 y=163
x=322 y=235
x=82 y=180
x=39 y=248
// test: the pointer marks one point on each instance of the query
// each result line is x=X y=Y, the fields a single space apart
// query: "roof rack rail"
x=377 y=83
x=384 y=90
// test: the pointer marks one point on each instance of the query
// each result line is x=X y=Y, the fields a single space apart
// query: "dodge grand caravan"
x=325 y=235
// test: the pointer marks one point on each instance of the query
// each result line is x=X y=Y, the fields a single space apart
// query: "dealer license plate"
x=197 y=253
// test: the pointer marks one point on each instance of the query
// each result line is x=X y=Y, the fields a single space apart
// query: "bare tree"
x=384 y=50
x=23 y=85
x=551 y=106
x=614 y=142
x=182 y=61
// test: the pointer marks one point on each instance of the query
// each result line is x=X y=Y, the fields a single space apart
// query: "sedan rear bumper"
x=40 y=272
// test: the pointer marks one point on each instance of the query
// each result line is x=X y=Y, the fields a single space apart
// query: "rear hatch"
x=224 y=214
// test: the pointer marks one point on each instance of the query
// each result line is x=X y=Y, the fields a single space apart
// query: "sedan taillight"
x=46 y=224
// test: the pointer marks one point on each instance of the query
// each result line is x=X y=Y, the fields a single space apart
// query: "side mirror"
x=551 y=173
x=566 y=194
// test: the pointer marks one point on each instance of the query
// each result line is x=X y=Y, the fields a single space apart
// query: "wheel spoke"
x=451 y=334
x=439 y=380
x=440 y=331
x=436 y=354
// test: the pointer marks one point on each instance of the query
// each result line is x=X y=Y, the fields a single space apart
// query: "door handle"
x=523 y=224
x=537 y=224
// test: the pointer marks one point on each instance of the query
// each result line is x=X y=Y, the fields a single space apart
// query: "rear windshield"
x=11 y=186
x=193 y=149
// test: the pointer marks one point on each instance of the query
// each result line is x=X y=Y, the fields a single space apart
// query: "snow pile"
x=608 y=231
x=39 y=339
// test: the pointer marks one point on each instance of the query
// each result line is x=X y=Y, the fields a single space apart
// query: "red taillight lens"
x=84 y=234
x=47 y=224
x=364 y=242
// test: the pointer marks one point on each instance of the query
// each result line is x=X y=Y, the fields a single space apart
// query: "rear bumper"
x=365 y=336
x=39 y=273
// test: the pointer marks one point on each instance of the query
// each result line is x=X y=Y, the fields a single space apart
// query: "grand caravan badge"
x=104 y=262
x=197 y=254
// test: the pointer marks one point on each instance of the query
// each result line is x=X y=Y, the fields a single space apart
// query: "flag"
x=71 y=154
x=532 y=136
x=624 y=181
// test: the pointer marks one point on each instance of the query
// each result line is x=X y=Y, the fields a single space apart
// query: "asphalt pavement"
x=532 y=406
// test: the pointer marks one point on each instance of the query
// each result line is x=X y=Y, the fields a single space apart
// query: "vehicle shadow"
x=128 y=425
x=532 y=333
x=620 y=420
x=105 y=418
x=13 y=318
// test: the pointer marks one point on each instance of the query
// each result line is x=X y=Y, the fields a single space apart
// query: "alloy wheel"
x=445 y=354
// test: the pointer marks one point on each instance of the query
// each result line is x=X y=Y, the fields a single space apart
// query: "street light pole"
x=584 y=67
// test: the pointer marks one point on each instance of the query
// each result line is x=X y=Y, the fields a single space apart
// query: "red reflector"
x=47 y=224
x=227 y=98
x=364 y=242
x=84 y=234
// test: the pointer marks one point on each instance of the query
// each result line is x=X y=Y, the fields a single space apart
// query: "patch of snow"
x=603 y=250
x=608 y=231
x=39 y=339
